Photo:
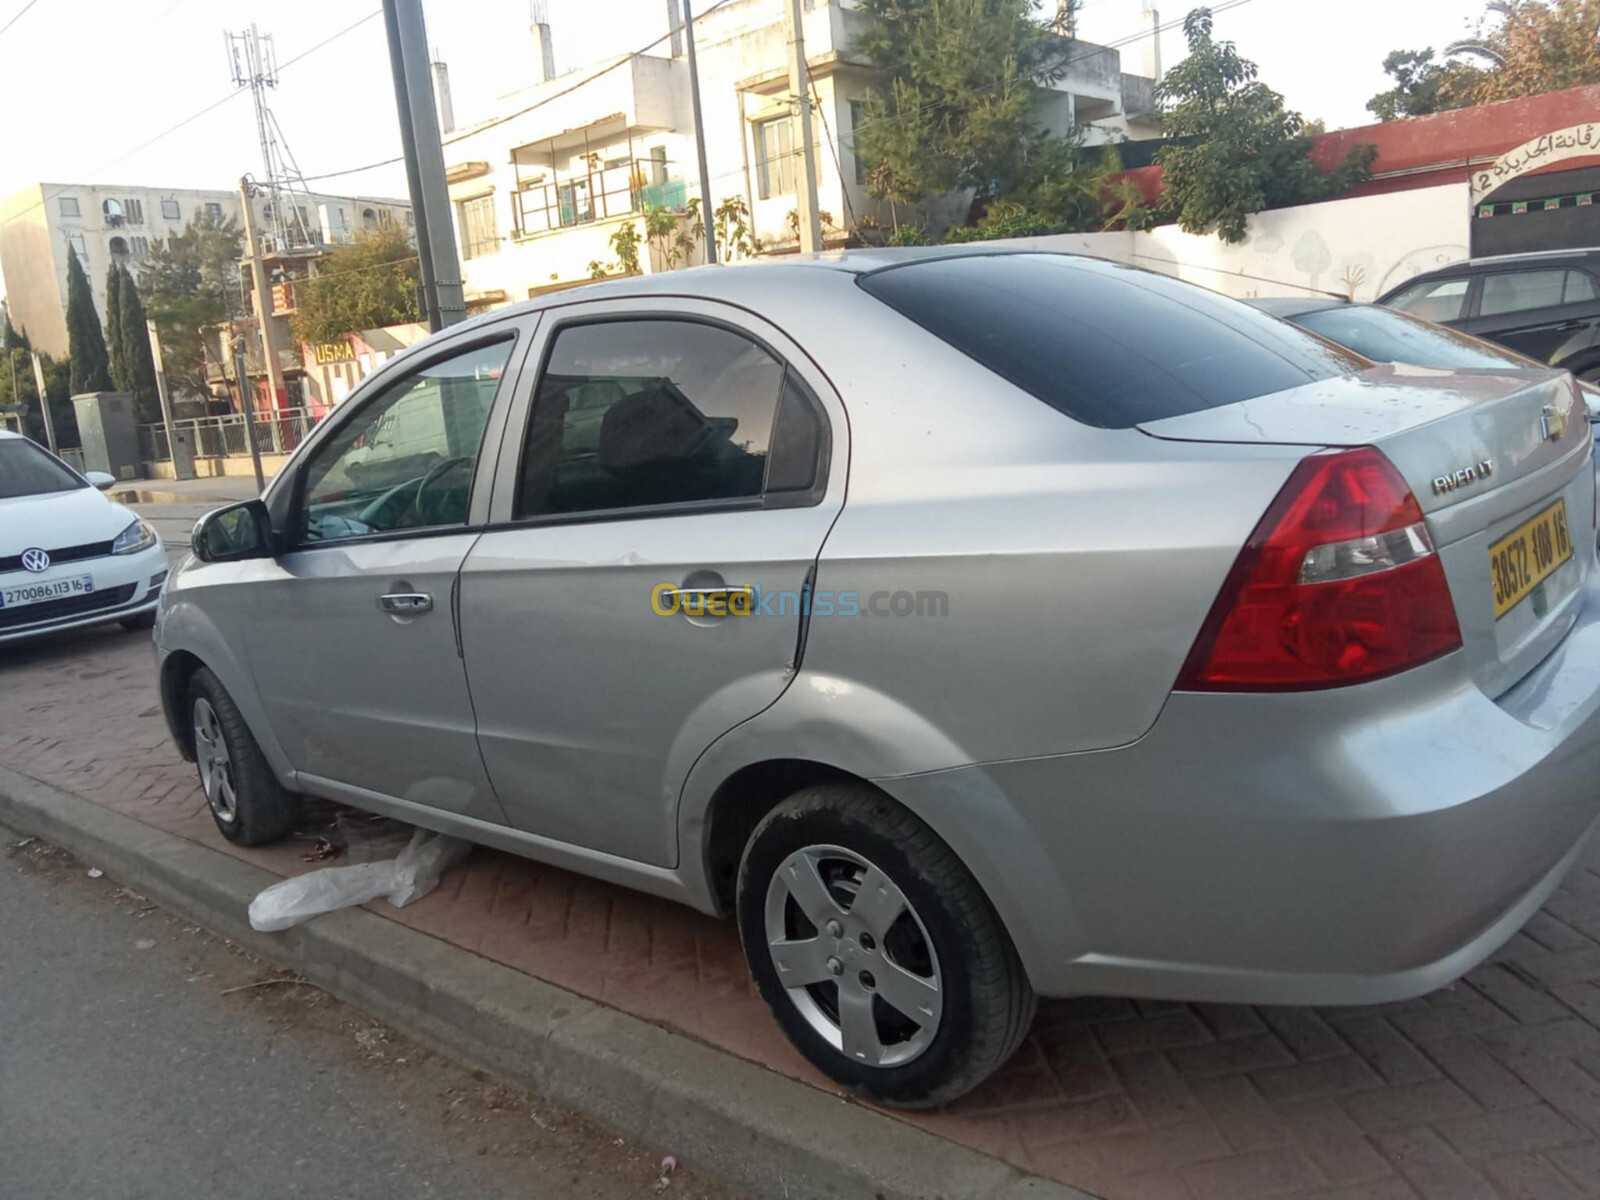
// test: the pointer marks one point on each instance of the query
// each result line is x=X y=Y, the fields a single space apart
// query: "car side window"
x=1519 y=291
x=1435 y=300
x=652 y=412
x=406 y=460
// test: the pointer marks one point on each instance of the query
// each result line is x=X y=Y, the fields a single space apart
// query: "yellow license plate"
x=1528 y=555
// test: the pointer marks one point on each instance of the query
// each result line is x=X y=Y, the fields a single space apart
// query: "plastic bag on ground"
x=404 y=879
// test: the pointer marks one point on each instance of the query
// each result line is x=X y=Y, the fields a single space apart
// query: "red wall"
x=1436 y=149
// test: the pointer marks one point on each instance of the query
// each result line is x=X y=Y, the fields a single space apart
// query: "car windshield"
x=1385 y=335
x=1106 y=344
x=26 y=470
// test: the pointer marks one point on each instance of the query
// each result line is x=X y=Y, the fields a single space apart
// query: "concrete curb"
x=145 y=496
x=755 y=1128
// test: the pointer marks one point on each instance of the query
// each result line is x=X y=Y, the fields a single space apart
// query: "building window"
x=170 y=211
x=111 y=213
x=479 y=234
x=68 y=206
x=658 y=164
x=119 y=249
x=78 y=248
x=574 y=202
x=774 y=157
x=135 y=211
x=858 y=118
x=369 y=218
x=141 y=248
x=214 y=212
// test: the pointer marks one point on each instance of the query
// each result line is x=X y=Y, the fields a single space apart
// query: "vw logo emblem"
x=35 y=560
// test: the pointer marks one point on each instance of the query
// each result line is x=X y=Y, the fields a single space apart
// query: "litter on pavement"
x=403 y=879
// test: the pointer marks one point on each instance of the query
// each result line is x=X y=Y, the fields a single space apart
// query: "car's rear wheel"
x=876 y=950
x=247 y=802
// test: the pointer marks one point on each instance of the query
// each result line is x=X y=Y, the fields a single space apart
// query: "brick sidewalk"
x=1487 y=1089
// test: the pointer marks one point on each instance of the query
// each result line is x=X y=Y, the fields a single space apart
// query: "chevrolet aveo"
x=970 y=626
x=69 y=556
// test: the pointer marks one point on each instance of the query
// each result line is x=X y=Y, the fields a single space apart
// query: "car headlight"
x=136 y=537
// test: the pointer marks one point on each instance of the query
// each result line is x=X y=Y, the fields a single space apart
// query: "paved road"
x=142 y=1058
x=174 y=523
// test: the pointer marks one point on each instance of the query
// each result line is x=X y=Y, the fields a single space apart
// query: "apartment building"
x=539 y=190
x=104 y=224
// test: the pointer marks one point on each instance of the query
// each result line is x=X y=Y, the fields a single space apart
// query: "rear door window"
x=1520 y=291
x=1105 y=344
x=657 y=413
x=1435 y=300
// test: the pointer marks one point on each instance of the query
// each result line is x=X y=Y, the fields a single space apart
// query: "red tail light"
x=1338 y=584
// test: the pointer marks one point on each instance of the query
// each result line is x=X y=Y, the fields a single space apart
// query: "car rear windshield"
x=1106 y=344
x=1389 y=335
x=26 y=470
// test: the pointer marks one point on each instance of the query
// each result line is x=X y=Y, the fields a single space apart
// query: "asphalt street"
x=142 y=1058
x=174 y=522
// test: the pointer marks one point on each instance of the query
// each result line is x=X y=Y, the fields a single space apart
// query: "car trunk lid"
x=1495 y=458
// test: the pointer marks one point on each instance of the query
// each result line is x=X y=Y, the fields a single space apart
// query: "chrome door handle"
x=731 y=600
x=406 y=604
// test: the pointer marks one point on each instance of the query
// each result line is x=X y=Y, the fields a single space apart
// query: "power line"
x=189 y=120
x=522 y=112
x=21 y=12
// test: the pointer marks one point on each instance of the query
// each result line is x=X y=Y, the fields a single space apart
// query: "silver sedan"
x=968 y=625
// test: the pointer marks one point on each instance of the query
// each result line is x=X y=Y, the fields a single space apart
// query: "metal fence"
x=278 y=431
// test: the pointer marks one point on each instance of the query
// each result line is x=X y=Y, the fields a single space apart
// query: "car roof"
x=1288 y=307
x=1588 y=256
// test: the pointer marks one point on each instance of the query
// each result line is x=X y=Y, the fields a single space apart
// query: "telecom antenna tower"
x=254 y=62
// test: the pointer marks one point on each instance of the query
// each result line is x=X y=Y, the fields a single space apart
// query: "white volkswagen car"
x=69 y=556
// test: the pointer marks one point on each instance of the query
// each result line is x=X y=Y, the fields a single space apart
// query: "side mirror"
x=236 y=532
x=99 y=479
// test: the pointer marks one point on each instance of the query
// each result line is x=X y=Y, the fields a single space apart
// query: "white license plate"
x=36 y=593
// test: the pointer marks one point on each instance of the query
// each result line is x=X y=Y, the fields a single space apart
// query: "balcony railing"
x=278 y=431
x=596 y=195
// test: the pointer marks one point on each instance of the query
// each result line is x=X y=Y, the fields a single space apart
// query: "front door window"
x=406 y=461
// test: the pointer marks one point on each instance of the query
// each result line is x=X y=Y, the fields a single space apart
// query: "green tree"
x=1523 y=48
x=86 y=341
x=1241 y=151
x=366 y=285
x=958 y=108
x=133 y=342
x=16 y=368
x=119 y=374
x=190 y=282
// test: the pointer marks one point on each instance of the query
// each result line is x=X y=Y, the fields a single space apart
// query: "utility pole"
x=241 y=376
x=419 y=134
x=706 y=216
x=800 y=85
x=263 y=294
x=166 y=400
x=44 y=406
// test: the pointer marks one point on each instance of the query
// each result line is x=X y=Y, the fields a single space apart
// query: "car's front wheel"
x=247 y=802
x=876 y=950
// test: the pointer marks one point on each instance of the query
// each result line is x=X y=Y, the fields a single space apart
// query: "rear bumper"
x=1343 y=847
x=132 y=583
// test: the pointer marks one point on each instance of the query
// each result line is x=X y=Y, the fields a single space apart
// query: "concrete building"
x=102 y=223
x=539 y=190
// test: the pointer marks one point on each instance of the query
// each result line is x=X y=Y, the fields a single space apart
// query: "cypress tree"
x=114 y=356
x=86 y=341
x=138 y=364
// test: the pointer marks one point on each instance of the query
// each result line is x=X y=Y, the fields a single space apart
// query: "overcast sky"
x=86 y=81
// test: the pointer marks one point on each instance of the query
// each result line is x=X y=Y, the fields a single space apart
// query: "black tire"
x=142 y=621
x=261 y=809
x=986 y=1002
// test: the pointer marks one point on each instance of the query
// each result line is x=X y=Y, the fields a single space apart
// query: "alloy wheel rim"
x=216 y=765
x=853 y=956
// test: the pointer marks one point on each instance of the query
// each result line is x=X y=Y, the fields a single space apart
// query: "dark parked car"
x=1545 y=305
